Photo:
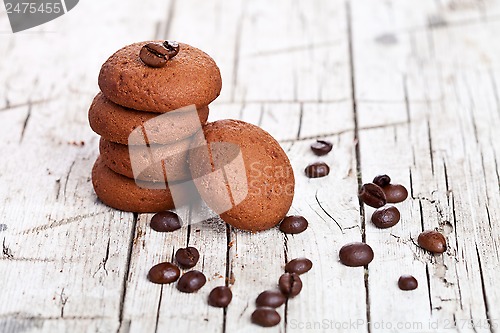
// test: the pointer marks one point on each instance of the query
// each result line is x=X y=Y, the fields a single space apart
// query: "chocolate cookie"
x=115 y=123
x=191 y=77
x=117 y=157
x=244 y=175
x=122 y=193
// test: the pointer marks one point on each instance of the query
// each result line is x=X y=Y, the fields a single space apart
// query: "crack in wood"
x=127 y=271
x=26 y=120
x=157 y=319
x=7 y=253
x=358 y=155
x=67 y=178
x=483 y=289
x=58 y=223
x=327 y=214
x=63 y=298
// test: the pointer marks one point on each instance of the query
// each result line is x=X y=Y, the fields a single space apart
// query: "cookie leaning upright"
x=191 y=77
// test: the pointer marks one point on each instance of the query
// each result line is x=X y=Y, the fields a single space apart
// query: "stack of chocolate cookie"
x=140 y=83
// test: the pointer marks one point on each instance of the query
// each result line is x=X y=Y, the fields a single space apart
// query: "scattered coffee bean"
x=164 y=273
x=407 y=282
x=220 y=297
x=294 y=224
x=191 y=282
x=356 y=254
x=386 y=217
x=165 y=222
x=317 y=170
x=187 y=257
x=290 y=284
x=321 y=147
x=266 y=317
x=372 y=195
x=299 y=266
x=172 y=48
x=270 y=298
x=395 y=193
x=382 y=180
x=154 y=55
x=432 y=241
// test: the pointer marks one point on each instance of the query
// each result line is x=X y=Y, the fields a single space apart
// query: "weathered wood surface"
x=409 y=88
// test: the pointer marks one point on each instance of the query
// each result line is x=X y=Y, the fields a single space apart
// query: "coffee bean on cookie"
x=164 y=273
x=294 y=224
x=372 y=195
x=187 y=257
x=317 y=170
x=154 y=55
x=356 y=254
x=172 y=48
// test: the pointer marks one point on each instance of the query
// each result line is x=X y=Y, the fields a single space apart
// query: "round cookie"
x=257 y=178
x=122 y=193
x=115 y=123
x=191 y=77
x=117 y=157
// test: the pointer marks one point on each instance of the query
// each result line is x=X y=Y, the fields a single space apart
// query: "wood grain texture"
x=400 y=87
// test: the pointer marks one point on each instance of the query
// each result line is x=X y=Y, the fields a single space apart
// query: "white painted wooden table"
x=409 y=88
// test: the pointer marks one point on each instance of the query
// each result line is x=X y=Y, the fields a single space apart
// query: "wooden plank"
x=445 y=91
x=64 y=254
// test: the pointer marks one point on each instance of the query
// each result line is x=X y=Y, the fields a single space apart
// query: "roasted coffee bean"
x=372 y=195
x=317 y=170
x=164 y=273
x=407 y=282
x=321 y=147
x=165 y=222
x=294 y=224
x=382 y=180
x=299 y=266
x=154 y=55
x=187 y=257
x=386 y=217
x=356 y=254
x=432 y=241
x=220 y=297
x=191 y=281
x=266 y=317
x=290 y=284
x=172 y=48
x=270 y=298
x=395 y=193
